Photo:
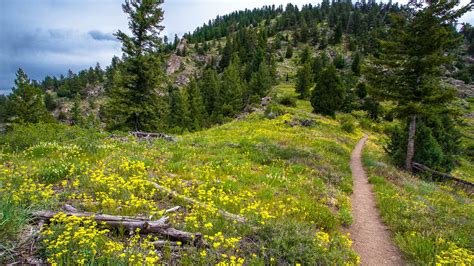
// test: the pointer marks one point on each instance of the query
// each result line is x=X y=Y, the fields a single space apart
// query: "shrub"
x=347 y=124
x=24 y=136
x=287 y=100
x=273 y=111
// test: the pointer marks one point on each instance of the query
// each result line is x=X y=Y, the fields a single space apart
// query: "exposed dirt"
x=371 y=238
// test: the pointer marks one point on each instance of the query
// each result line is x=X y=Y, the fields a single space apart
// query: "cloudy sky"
x=48 y=37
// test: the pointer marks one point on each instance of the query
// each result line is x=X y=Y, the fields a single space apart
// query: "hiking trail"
x=371 y=237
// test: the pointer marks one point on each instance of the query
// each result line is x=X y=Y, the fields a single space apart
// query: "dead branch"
x=225 y=214
x=147 y=136
x=172 y=210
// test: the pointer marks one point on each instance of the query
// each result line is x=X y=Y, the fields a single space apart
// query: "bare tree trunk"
x=411 y=144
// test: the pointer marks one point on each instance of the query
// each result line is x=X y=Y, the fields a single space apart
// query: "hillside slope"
x=292 y=184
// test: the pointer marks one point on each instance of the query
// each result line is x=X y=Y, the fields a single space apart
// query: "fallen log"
x=225 y=214
x=131 y=224
x=97 y=217
x=421 y=167
x=147 y=135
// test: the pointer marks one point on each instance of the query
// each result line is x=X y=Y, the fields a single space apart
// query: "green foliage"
x=431 y=223
x=24 y=136
x=414 y=83
x=347 y=123
x=196 y=107
x=287 y=100
x=361 y=90
x=179 y=116
x=261 y=81
x=25 y=103
x=306 y=55
x=304 y=81
x=232 y=89
x=289 y=51
x=50 y=102
x=373 y=107
x=339 y=61
x=76 y=112
x=328 y=95
x=13 y=219
x=436 y=140
x=134 y=103
x=355 y=66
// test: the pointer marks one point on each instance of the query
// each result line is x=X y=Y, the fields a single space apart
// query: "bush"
x=273 y=111
x=287 y=100
x=24 y=136
x=347 y=124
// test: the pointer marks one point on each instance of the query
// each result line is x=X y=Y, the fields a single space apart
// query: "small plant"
x=287 y=100
x=347 y=124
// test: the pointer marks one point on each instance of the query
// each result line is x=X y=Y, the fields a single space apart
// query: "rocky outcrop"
x=173 y=64
x=464 y=90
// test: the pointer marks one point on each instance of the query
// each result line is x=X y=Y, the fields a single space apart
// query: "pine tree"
x=306 y=55
x=289 y=51
x=304 y=81
x=328 y=95
x=134 y=103
x=209 y=86
x=196 y=106
x=355 y=66
x=261 y=81
x=226 y=54
x=414 y=53
x=26 y=104
x=232 y=88
x=337 y=36
x=179 y=116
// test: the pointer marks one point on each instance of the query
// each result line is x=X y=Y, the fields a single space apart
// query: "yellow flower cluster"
x=323 y=239
x=48 y=148
x=72 y=240
x=455 y=255
x=23 y=188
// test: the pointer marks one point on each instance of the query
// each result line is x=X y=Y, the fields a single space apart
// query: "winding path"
x=371 y=238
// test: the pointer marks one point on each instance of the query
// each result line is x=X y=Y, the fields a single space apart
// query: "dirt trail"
x=371 y=238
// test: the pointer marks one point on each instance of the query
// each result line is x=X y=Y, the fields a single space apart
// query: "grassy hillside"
x=292 y=184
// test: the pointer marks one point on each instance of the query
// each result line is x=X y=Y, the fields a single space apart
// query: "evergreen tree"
x=196 y=106
x=304 y=81
x=328 y=95
x=337 y=36
x=232 y=89
x=50 y=102
x=289 y=51
x=414 y=53
x=361 y=90
x=306 y=55
x=25 y=103
x=134 y=103
x=226 y=54
x=355 y=66
x=261 y=82
x=179 y=116
x=209 y=86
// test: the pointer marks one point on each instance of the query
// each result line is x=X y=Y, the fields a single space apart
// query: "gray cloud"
x=48 y=37
x=101 y=36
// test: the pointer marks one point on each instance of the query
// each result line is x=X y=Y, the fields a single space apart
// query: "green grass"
x=292 y=184
x=431 y=223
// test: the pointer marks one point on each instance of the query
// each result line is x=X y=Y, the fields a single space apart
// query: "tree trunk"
x=411 y=144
